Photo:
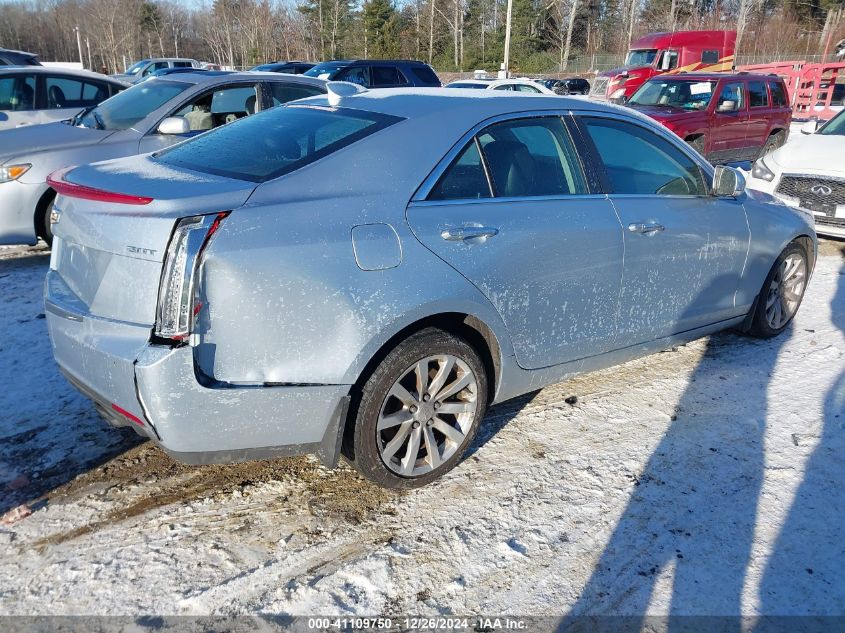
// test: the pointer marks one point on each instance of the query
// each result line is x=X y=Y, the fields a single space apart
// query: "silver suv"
x=146 y=67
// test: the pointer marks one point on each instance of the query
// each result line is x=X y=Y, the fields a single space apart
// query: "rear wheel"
x=419 y=410
x=781 y=293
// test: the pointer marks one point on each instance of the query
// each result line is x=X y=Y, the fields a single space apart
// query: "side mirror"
x=174 y=125
x=727 y=182
x=810 y=127
x=727 y=106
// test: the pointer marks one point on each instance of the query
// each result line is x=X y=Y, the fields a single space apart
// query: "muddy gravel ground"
x=707 y=479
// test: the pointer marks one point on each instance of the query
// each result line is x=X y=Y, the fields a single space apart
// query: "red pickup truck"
x=726 y=117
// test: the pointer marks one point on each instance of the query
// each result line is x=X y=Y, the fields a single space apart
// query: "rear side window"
x=523 y=158
x=758 y=97
x=426 y=74
x=709 y=57
x=638 y=161
x=280 y=140
x=182 y=64
x=282 y=92
x=778 y=94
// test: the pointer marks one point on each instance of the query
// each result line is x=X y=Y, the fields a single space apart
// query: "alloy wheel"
x=786 y=291
x=426 y=415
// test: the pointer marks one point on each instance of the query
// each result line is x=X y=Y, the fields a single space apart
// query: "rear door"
x=760 y=116
x=730 y=120
x=18 y=100
x=511 y=210
x=684 y=249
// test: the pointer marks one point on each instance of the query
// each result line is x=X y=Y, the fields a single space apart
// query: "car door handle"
x=642 y=227
x=465 y=233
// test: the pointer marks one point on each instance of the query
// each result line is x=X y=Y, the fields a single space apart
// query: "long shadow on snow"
x=807 y=564
x=689 y=523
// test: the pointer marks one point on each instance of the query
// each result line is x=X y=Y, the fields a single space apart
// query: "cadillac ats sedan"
x=365 y=272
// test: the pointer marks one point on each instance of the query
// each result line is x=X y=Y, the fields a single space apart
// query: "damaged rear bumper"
x=156 y=390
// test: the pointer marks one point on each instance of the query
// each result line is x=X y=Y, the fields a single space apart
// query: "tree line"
x=453 y=35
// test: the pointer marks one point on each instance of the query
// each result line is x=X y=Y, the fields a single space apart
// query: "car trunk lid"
x=109 y=250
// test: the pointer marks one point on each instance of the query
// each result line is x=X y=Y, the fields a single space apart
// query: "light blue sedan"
x=366 y=272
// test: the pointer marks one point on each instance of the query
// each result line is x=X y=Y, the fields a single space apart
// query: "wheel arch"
x=470 y=327
x=40 y=207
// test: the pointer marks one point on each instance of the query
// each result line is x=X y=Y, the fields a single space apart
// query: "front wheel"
x=781 y=293
x=45 y=227
x=419 y=410
x=774 y=142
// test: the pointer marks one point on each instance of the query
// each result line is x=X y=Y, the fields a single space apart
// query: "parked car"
x=139 y=70
x=290 y=299
x=377 y=73
x=18 y=58
x=163 y=72
x=809 y=173
x=146 y=117
x=725 y=117
x=568 y=86
x=511 y=85
x=293 y=67
x=39 y=94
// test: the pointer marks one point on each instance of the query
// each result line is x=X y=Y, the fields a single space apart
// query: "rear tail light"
x=177 y=305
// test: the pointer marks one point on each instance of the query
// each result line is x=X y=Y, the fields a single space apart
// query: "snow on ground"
x=703 y=480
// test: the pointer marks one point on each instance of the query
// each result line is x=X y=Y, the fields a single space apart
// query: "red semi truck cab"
x=659 y=53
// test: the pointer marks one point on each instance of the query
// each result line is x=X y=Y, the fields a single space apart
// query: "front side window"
x=639 y=162
x=65 y=92
x=356 y=74
x=280 y=140
x=218 y=107
x=154 y=67
x=134 y=104
x=834 y=127
x=642 y=57
x=17 y=93
x=685 y=94
x=758 y=96
x=526 y=88
x=732 y=98
x=523 y=158
x=709 y=57
x=668 y=60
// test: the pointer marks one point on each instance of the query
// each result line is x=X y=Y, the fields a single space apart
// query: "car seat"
x=56 y=97
x=511 y=166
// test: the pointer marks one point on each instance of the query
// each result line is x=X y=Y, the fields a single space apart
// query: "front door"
x=513 y=214
x=684 y=249
x=730 y=119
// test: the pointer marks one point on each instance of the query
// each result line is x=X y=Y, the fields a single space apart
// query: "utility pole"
x=88 y=46
x=79 y=46
x=504 y=73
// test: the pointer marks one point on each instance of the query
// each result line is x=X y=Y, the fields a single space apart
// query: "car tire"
x=697 y=144
x=405 y=439
x=782 y=293
x=772 y=143
x=45 y=229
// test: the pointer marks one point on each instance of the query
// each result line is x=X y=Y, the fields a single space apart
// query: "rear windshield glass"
x=279 y=141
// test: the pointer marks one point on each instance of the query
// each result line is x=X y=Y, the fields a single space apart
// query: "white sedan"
x=809 y=172
x=515 y=85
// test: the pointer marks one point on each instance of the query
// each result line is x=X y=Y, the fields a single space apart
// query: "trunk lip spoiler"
x=62 y=186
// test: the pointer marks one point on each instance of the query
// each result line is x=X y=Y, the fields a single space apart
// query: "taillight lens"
x=176 y=294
